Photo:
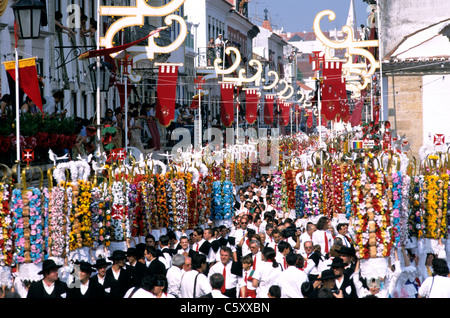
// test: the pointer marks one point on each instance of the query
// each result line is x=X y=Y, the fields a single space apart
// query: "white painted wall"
x=436 y=107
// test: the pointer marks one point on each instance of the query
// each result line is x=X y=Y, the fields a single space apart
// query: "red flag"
x=27 y=155
x=121 y=89
x=332 y=89
x=310 y=120
x=166 y=94
x=268 y=109
x=118 y=154
x=357 y=112
x=285 y=113
x=109 y=51
x=28 y=79
x=196 y=101
x=251 y=105
x=227 y=104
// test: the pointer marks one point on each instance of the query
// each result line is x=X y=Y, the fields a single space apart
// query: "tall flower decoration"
x=162 y=215
x=81 y=234
x=18 y=206
x=119 y=211
x=7 y=228
x=181 y=204
x=57 y=221
x=290 y=188
x=416 y=223
x=277 y=183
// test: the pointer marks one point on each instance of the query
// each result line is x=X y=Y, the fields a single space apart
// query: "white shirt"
x=257 y=260
x=230 y=279
x=244 y=280
x=217 y=294
x=435 y=287
x=166 y=259
x=266 y=274
x=101 y=280
x=345 y=240
x=187 y=285
x=84 y=288
x=196 y=246
x=290 y=282
x=48 y=289
x=140 y=293
x=280 y=258
x=174 y=275
x=318 y=238
x=238 y=235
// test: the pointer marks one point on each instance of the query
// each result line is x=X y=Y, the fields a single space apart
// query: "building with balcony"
x=210 y=18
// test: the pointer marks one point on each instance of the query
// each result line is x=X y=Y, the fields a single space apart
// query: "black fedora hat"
x=347 y=250
x=101 y=262
x=86 y=267
x=118 y=254
x=48 y=264
x=327 y=274
x=337 y=262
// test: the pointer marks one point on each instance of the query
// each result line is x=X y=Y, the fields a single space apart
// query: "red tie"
x=224 y=276
x=285 y=264
x=196 y=248
x=276 y=247
x=245 y=279
x=326 y=242
x=254 y=263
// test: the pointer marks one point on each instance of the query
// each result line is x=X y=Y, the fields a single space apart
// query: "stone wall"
x=405 y=110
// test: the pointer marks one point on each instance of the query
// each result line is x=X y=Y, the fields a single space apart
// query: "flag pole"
x=98 y=107
x=16 y=52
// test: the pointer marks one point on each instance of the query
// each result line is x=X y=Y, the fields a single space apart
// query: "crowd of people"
x=259 y=253
x=144 y=131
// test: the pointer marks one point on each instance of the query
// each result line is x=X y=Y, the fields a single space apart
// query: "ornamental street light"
x=105 y=76
x=27 y=14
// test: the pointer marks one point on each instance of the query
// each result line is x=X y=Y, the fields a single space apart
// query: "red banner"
x=333 y=90
x=121 y=90
x=268 y=109
x=166 y=94
x=251 y=105
x=28 y=79
x=285 y=113
x=227 y=104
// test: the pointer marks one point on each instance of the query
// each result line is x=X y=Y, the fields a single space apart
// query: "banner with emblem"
x=268 y=109
x=333 y=90
x=251 y=105
x=227 y=104
x=166 y=93
x=285 y=113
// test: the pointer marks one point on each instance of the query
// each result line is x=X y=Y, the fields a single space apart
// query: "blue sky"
x=298 y=15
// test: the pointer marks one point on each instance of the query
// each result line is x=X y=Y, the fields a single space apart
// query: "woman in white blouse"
x=267 y=273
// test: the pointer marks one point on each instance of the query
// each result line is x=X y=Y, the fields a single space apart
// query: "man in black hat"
x=324 y=283
x=343 y=281
x=137 y=268
x=118 y=279
x=101 y=265
x=85 y=287
x=50 y=286
x=348 y=255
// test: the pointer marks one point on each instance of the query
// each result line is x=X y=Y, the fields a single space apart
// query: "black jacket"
x=95 y=290
x=156 y=267
x=118 y=287
x=37 y=290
